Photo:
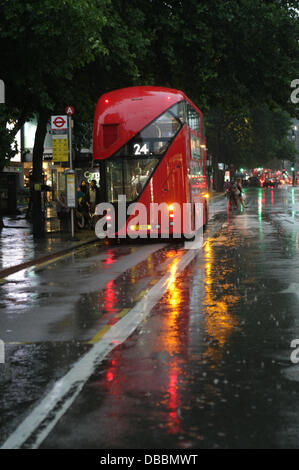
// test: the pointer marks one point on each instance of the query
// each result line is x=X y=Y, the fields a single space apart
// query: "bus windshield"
x=128 y=176
x=155 y=139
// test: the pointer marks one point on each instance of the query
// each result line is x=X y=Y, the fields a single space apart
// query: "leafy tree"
x=49 y=41
x=126 y=45
x=230 y=57
x=250 y=139
x=232 y=52
x=8 y=146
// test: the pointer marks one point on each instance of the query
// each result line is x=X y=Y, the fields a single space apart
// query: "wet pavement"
x=153 y=346
x=17 y=244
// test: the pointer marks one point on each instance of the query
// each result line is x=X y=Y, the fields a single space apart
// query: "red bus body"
x=160 y=133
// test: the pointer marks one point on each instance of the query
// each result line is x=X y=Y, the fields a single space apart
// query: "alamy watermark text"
x=295 y=93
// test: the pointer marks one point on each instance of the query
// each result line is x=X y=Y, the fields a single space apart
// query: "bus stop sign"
x=58 y=123
x=69 y=110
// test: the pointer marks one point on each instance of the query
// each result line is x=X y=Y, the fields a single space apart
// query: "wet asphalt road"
x=206 y=366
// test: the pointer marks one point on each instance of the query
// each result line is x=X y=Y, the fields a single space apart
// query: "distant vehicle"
x=270 y=183
x=253 y=181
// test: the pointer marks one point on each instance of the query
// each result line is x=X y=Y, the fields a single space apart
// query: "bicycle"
x=85 y=217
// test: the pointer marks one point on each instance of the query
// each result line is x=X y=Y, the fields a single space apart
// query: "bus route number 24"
x=138 y=150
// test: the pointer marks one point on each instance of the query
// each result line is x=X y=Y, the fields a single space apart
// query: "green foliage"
x=8 y=144
x=43 y=43
x=250 y=139
x=230 y=57
x=230 y=53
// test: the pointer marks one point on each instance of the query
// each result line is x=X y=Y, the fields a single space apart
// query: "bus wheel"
x=188 y=239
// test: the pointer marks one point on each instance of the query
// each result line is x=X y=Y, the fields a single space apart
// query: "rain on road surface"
x=153 y=346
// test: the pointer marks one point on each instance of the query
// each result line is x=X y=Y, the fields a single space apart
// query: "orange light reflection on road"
x=173 y=295
x=220 y=323
x=173 y=404
x=172 y=343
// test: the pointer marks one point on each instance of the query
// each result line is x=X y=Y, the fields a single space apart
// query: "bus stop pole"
x=69 y=118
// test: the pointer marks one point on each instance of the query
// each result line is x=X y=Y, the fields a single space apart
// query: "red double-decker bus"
x=149 y=143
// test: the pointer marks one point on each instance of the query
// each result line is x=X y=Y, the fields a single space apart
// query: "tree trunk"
x=1 y=218
x=37 y=179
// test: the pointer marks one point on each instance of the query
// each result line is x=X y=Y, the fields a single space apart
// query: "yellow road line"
x=35 y=267
x=99 y=334
x=141 y=294
x=39 y=265
x=123 y=312
x=153 y=282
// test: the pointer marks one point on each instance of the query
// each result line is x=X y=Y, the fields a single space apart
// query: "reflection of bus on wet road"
x=149 y=143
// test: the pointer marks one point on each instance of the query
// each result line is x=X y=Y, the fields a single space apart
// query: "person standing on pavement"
x=63 y=212
x=234 y=194
x=226 y=186
x=84 y=186
x=241 y=196
x=84 y=189
x=94 y=196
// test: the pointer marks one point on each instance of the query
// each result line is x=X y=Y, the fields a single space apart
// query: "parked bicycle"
x=85 y=217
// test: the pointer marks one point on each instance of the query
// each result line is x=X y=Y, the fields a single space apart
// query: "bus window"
x=180 y=111
x=128 y=177
x=160 y=132
x=114 y=180
x=193 y=118
x=136 y=174
x=195 y=147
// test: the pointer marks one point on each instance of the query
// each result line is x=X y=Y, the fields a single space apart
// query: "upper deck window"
x=195 y=147
x=193 y=118
x=155 y=138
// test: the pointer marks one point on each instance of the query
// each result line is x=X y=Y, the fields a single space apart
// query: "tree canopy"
x=43 y=43
x=250 y=139
x=230 y=57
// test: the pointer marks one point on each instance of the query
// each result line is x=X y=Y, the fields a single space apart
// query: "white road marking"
x=292 y=289
x=35 y=325
x=64 y=392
